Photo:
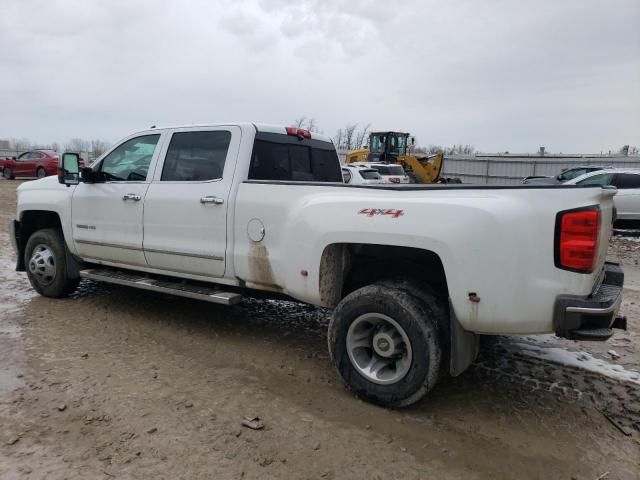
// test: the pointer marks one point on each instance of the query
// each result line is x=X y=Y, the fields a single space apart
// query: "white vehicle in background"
x=354 y=175
x=390 y=172
x=626 y=180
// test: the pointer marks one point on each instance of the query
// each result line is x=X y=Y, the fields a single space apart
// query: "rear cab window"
x=288 y=158
x=390 y=170
x=369 y=174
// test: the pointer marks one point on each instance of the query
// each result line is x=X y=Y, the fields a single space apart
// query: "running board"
x=182 y=289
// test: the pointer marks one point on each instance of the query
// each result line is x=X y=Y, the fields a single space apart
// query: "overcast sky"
x=501 y=75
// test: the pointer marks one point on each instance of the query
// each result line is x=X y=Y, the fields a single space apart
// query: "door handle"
x=132 y=196
x=214 y=200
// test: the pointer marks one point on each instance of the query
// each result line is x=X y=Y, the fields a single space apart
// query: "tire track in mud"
x=618 y=400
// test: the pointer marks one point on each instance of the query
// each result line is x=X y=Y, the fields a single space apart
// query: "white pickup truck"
x=414 y=273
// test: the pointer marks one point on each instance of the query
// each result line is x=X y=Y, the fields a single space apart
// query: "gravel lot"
x=119 y=383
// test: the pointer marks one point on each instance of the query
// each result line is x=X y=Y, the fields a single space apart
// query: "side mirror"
x=69 y=169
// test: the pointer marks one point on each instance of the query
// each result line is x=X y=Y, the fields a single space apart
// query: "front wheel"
x=46 y=262
x=7 y=173
x=385 y=343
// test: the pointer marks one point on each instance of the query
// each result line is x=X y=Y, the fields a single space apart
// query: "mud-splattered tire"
x=7 y=173
x=385 y=343
x=46 y=263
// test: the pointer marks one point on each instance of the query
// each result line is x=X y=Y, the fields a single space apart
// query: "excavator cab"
x=387 y=147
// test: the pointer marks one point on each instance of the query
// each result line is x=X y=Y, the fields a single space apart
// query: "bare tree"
x=77 y=145
x=349 y=132
x=312 y=125
x=361 y=136
x=338 y=139
x=308 y=123
x=20 y=143
x=98 y=147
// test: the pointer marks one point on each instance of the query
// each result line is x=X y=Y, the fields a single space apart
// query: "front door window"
x=130 y=161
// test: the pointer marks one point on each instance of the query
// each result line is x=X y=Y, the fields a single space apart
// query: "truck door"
x=185 y=209
x=107 y=216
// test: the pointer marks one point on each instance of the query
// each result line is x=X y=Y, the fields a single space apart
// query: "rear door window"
x=283 y=157
x=196 y=156
x=626 y=180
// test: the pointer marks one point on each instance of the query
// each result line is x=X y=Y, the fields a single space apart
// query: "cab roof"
x=259 y=127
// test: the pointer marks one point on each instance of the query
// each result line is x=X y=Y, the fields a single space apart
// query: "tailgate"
x=606 y=227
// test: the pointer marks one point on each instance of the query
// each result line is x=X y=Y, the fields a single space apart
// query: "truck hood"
x=41 y=184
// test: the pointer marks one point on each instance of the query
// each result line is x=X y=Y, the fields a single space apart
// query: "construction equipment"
x=391 y=147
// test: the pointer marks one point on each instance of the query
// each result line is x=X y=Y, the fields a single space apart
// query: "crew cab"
x=34 y=163
x=414 y=273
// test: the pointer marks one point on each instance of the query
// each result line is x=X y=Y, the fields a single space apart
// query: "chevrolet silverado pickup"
x=414 y=273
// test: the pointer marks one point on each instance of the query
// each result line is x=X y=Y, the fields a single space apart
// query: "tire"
x=440 y=309
x=40 y=173
x=388 y=316
x=7 y=173
x=46 y=264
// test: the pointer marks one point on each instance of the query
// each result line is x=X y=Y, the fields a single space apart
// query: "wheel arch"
x=30 y=222
x=345 y=267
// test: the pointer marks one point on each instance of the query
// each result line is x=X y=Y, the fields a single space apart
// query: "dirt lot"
x=119 y=383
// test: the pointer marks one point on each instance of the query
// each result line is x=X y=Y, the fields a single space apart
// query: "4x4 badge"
x=370 y=212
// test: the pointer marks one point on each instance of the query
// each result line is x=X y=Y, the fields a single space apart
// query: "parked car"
x=626 y=180
x=222 y=211
x=355 y=175
x=34 y=163
x=566 y=175
x=389 y=172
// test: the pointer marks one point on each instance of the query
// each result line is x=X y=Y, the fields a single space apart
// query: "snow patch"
x=581 y=360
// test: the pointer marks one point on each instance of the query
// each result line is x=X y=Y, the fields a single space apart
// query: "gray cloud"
x=501 y=75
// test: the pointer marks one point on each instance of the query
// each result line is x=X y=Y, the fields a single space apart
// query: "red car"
x=34 y=163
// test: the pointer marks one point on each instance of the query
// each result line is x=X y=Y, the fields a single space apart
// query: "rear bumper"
x=591 y=317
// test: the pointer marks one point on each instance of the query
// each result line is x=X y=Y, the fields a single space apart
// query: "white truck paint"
x=495 y=244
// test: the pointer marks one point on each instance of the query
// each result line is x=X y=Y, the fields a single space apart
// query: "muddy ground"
x=120 y=383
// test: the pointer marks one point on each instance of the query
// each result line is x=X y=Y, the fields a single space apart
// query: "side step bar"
x=131 y=279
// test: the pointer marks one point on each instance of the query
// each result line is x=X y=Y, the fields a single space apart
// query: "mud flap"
x=464 y=345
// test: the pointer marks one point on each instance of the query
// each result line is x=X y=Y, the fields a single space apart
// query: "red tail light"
x=298 y=132
x=577 y=233
x=394 y=180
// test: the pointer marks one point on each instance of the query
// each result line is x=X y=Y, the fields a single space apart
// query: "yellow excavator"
x=391 y=147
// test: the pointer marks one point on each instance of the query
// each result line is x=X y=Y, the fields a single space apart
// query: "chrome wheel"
x=42 y=264
x=379 y=348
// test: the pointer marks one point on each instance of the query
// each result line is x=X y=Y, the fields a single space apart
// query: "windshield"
x=571 y=174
